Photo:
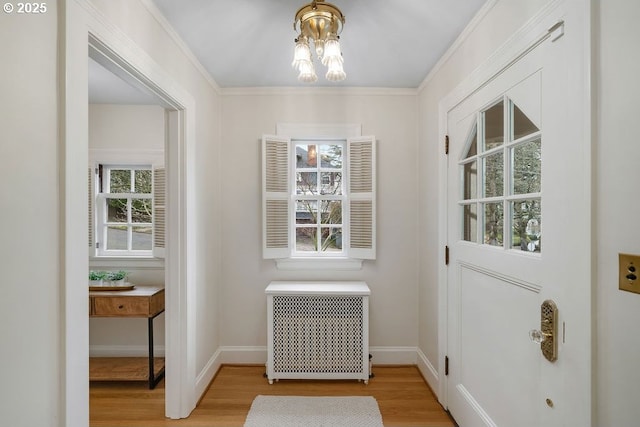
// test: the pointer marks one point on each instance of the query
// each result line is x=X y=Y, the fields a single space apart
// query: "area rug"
x=303 y=411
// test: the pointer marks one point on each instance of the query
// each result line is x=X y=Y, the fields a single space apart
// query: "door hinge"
x=446 y=255
x=446 y=365
x=446 y=144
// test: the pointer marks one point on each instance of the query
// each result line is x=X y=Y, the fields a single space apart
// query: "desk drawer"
x=121 y=306
x=144 y=301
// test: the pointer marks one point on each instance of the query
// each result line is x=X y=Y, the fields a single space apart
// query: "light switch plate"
x=629 y=275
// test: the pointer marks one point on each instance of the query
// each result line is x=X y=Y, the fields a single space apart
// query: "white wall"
x=127 y=132
x=618 y=210
x=29 y=229
x=496 y=22
x=391 y=117
x=126 y=127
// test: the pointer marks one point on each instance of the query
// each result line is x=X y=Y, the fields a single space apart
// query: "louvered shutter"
x=275 y=197
x=91 y=204
x=362 y=200
x=159 y=210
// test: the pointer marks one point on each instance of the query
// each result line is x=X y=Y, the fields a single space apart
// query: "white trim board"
x=111 y=46
x=125 y=156
x=382 y=355
x=318 y=91
x=428 y=371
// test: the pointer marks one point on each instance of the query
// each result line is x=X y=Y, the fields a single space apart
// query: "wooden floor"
x=402 y=394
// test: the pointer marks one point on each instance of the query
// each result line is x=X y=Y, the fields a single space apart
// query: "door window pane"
x=526 y=225
x=522 y=126
x=473 y=145
x=470 y=171
x=470 y=223
x=493 y=224
x=494 y=175
x=527 y=162
x=493 y=126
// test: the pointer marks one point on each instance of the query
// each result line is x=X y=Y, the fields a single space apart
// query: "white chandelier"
x=321 y=23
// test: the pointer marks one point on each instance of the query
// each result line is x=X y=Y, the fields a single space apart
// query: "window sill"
x=126 y=262
x=335 y=264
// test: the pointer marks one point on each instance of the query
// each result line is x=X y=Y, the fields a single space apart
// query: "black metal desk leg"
x=153 y=380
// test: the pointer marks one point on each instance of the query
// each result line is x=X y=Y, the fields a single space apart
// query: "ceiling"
x=249 y=43
x=107 y=88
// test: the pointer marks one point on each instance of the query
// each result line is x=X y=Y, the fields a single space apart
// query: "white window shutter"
x=362 y=194
x=276 y=197
x=91 y=204
x=159 y=210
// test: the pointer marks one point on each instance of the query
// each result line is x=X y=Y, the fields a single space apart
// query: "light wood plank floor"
x=402 y=394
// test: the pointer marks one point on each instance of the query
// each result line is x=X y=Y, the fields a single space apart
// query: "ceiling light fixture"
x=321 y=23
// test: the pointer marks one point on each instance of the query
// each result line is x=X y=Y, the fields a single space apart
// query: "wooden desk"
x=143 y=301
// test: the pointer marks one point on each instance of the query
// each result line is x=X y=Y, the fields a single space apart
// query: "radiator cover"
x=317 y=330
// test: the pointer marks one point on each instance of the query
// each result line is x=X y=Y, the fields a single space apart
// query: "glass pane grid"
x=503 y=196
x=319 y=198
x=127 y=201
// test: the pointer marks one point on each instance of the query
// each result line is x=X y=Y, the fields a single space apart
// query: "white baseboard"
x=243 y=355
x=393 y=355
x=206 y=375
x=429 y=372
x=258 y=355
x=124 y=351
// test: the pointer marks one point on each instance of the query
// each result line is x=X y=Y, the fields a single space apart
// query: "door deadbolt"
x=548 y=332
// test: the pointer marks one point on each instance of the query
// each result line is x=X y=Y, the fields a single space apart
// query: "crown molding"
x=464 y=35
x=166 y=26
x=318 y=91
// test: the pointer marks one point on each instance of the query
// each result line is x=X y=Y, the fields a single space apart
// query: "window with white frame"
x=123 y=211
x=318 y=197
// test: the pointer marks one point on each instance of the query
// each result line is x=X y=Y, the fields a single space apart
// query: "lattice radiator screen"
x=320 y=335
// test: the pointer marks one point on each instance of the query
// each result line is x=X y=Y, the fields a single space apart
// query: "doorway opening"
x=127 y=137
x=128 y=63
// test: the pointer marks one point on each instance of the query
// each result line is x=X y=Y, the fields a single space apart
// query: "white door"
x=518 y=235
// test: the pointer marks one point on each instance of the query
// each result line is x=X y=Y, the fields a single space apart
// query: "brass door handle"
x=547 y=335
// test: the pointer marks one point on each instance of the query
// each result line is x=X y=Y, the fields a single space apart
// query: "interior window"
x=124 y=214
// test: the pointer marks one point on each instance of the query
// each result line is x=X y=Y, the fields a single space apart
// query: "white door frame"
x=83 y=26
x=576 y=17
